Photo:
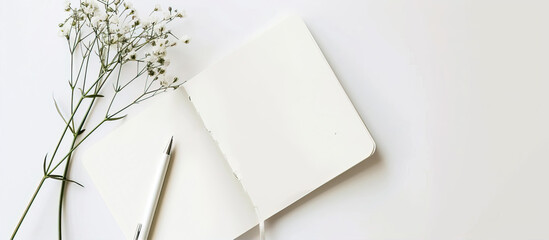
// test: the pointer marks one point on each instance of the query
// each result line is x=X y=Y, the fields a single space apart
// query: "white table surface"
x=455 y=93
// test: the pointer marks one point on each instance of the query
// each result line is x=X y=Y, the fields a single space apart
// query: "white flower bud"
x=157 y=8
x=67 y=5
x=185 y=39
x=150 y=20
x=179 y=14
x=164 y=80
x=145 y=22
x=98 y=19
x=114 y=19
x=150 y=58
x=160 y=28
x=167 y=15
x=95 y=21
x=128 y=5
x=125 y=28
x=170 y=79
x=64 y=30
x=132 y=55
x=90 y=7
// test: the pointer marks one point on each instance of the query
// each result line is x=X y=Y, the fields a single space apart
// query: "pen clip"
x=137 y=232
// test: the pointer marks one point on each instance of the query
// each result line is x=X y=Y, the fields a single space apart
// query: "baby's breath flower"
x=162 y=81
x=157 y=8
x=150 y=59
x=114 y=28
x=151 y=72
x=156 y=18
x=128 y=5
x=165 y=80
x=98 y=20
x=114 y=19
x=64 y=30
x=90 y=7
x=185 y=39
x=161 y=70
x=135 y=22
x=159 y=51
x=95 y=21
x=159 y=28
x=179 y=14
x=167 y=15
x=150 y=20
x=145 y=23
x=126 y=27
x=132 y=55
x=67 y=5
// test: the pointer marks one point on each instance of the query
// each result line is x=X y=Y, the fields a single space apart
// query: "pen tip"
x=169 y=147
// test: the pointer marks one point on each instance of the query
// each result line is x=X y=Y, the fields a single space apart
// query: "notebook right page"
x=280 y=116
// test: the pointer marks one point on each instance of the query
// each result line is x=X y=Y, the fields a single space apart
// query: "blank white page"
x=201 y=198
x=280 y=116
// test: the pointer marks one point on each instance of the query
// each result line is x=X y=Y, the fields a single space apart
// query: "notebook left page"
x=201 y=199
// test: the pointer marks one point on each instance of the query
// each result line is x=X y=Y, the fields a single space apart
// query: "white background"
x=455 y=93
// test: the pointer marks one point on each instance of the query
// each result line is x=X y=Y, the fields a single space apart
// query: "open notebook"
x=258 y=130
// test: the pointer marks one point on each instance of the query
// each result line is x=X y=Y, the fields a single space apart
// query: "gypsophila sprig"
x=115 y=36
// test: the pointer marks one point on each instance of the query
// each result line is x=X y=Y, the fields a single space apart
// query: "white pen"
x=144 y=225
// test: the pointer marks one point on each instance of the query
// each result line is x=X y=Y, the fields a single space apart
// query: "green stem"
x=44 y=178
x=62 y=192
x=65 y=131
x=67 y=165
x=28 y=207
x=75 y=147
